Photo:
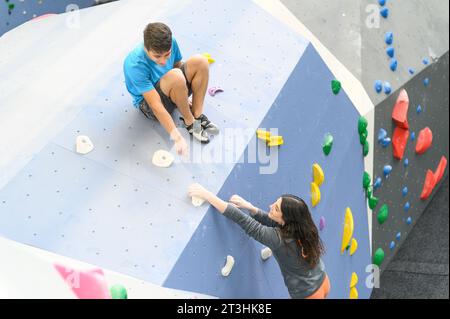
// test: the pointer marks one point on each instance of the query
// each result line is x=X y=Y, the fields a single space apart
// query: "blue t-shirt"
x=142 y=74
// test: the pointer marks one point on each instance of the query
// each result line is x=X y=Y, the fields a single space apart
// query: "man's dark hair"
x=157 y=37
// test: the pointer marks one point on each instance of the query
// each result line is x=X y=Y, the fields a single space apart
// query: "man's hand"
x=197 y=190
x=181 y=147
x=242 y=203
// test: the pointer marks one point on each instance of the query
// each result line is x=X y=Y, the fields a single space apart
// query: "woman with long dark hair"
x=289 y=231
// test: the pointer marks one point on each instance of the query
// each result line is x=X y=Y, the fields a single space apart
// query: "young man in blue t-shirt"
x=159 y=82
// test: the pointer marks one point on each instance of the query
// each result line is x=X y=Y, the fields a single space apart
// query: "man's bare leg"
x=197 y=73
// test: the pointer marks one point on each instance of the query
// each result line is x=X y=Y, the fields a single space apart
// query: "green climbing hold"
x=336 y=86
x=327 y=144
x=366 y=180
x=383 y=214
x=369 y=192
x=363 y=137
x=362 y=125
x=378 y=258
x=366 y=148
x=118 y=292
x=373 y=202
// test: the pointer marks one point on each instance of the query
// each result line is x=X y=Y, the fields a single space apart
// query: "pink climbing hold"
x=400 y=112
x=399 y=141
x=424 y=140
x=89 y=284
x=440 y=169
x=214 y=90
x=322 y=223
x=428 y=186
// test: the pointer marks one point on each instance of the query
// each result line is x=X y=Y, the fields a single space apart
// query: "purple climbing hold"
x=399 y=236
x=390 y=51
x=392 y=245
x=411 y=71
x=407 y=207
x=413 y=136
x=387 y=88
x=405 y=191
x=419 y=109
x=382 y=2
x=387 y=170
x=382 y=134
x=214 y=90
x=377 y=183
x=386 y=142
x=393 y=64
x=384 y=12
x=389 y=38
x=426 y=61
x=409 y=221
x=406 y=162
x=426 y=82
x=322 y=223
x=378 y=86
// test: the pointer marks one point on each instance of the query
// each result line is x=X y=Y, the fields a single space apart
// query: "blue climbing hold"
x=384 y=12
x=406 y=162
x=407 y=207
x=390 y=51
x=411 y=71
x=386 y=142
x=399 y=236
x=413 y=136
x=387 y=170
x=426 y=82
x=382 y=2
x=393 y=65
x=378 y=86
x=387 y=88
x=419 y=109
x=426 y=61
x=382 y=134
x=409 y=221
x=389 y=38
x=392 y=246
x=377 y=183
x=405 y=191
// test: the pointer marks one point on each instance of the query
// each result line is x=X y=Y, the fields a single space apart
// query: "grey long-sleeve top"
x=299 y=278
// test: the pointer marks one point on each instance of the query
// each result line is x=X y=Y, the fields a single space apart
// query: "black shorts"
x=166 y=101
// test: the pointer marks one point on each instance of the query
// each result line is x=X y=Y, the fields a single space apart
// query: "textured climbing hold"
x=384 y=12
x=406 y=207
x=83 y=144
x=413 y=136
x=406 y=162
x=197 y=201
x=208 y=56
x=373 y=202
x=439 y=173
x=398 y=236
x=400 y=111
x=263 y=135
x=353 y=246
x=377 y=183
x=366 y=180
x=426 y=82
x=266 y=253
x=315 y=194
x=363 y=137
x=387 y=170
x=336 y=86
x=318 y=175
x=118 y=292
x=366 y=148
x=382 y=134
x=393 y=64
x=387 y=88
x=419 y=109
x=405 y=191
x=327 y=144
x=389 y=38
x=392 y=245
x=214 y=90
x=383 y=214
x=399 y=141
x=354 y=280
x=382 y=2
x=369 y=192
x=386 y=142
x=411 y=71
x=425 y=61
x=378 y=86
x=162 y=159
x=378 y=257
x=348 y=229
x=226 y=270
x=275 y=141
x=428 y=186
x=354 y=293
x=424 y=140
x=409 y=221
x=362 y=125
x=390 y=51
x=322 y=223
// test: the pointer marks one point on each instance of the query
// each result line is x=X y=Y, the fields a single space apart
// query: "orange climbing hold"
x=400 y=112
x=440 y=170
x=399 y=141
x=428 y=186
x=424 y=140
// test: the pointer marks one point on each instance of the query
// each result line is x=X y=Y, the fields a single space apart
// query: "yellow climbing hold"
x=315 y=194
x=353 y=246
x=354 y=280
x=208 y=56
x=353 y=293
x=275 y=141
x=318 y=175
x=263 y=135
x=348 y=229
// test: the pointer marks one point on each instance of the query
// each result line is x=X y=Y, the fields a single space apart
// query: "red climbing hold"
x=424 y=140
x=400 y=112
x=428 y=186
x=399 y=141
x=441 y=169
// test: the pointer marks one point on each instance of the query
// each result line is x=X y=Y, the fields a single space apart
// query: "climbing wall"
x=15 y=12
x=402 y=189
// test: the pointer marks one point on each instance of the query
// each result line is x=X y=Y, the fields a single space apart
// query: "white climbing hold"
x=84 y=144
x=226 y=270
x=162 y=159
x=266 y=253
x=197 y=202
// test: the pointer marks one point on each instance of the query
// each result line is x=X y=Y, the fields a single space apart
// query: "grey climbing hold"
x=382 y=134
x=390 y=51
x=393 y=64
x=405 y=191
x=384 y=12
x=378 y=86
x=407 y=207
x=387 y=88
x=389 y=38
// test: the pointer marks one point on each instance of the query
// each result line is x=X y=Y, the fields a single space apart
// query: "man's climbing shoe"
x=207 y=125
x=197 y=131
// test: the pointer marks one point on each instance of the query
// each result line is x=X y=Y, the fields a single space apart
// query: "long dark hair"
x=299 y=225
